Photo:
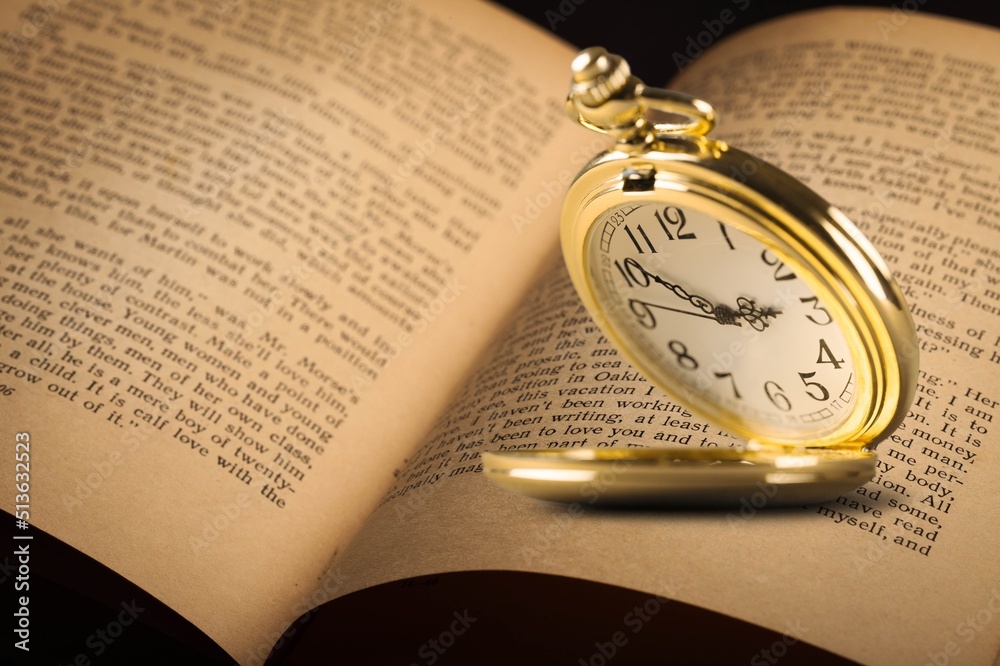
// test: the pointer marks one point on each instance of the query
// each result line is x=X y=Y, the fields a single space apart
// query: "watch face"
x=717 y=319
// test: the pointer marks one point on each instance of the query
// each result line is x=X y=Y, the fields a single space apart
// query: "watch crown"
x=597 y=76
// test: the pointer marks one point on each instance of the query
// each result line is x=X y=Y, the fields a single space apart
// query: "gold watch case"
x=672 y=162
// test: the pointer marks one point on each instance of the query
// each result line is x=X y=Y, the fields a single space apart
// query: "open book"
x=272 y=277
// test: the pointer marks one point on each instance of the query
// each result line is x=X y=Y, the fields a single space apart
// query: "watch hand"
x=635 y=301
x=754 y=316
x=723 y=314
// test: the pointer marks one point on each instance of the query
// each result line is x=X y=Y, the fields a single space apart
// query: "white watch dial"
x=717 y=318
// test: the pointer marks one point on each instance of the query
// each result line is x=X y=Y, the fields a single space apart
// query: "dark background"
x=648 y=32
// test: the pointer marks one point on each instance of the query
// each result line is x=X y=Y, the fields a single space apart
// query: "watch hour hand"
x=748 y=312
x=753 y=315
x=725 y=315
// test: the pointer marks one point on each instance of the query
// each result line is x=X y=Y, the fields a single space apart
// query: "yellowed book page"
x=896 y=120
x=247 y=250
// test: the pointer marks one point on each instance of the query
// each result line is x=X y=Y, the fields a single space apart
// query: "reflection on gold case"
x=680 y=477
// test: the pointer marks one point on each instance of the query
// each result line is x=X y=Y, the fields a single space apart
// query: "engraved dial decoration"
x=717 y=318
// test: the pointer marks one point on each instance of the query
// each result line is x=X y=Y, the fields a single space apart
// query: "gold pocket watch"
x=740 y=293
